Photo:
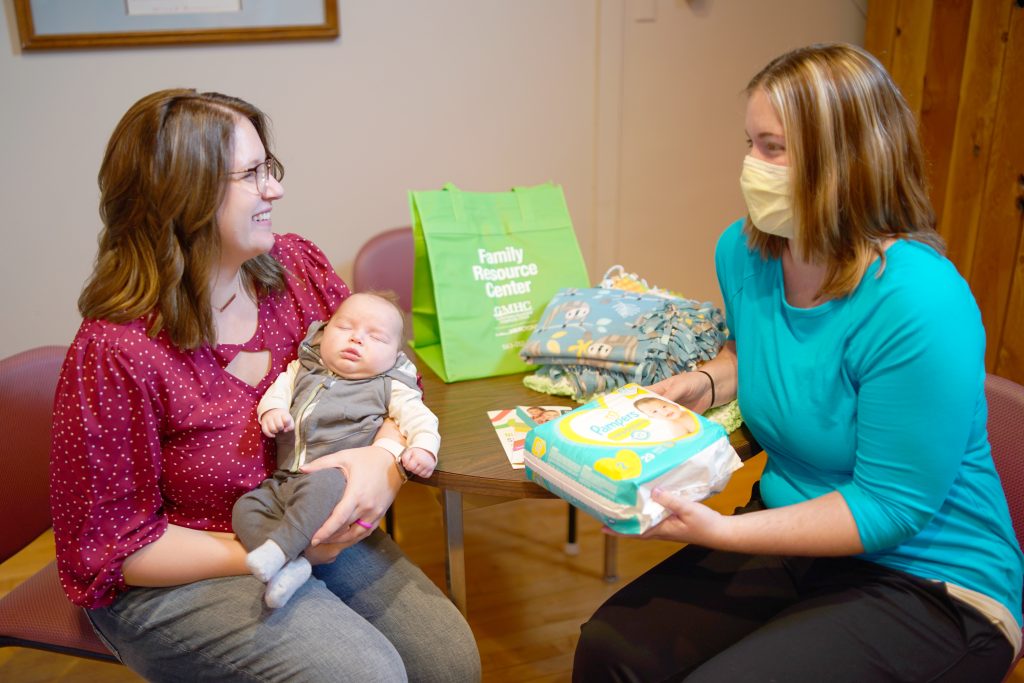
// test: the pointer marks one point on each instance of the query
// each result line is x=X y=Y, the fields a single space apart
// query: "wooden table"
x=472 y=460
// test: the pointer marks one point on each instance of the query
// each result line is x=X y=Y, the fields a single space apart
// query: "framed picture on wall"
x=64 y=24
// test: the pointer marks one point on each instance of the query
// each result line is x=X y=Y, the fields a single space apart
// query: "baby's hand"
x=275 y=421
x=418 y=461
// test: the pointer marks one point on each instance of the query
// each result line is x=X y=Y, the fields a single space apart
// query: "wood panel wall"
x=960 y=64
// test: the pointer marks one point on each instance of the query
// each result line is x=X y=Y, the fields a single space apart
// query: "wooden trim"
x=997 y=274
x=30 y=40
x=940 y=95
x=880 y=30
x=910 y=50
x=972 y=140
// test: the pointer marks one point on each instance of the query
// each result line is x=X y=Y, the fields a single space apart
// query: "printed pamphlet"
x=512 y=424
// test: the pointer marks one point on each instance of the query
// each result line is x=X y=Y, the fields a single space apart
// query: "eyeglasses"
x=261 y=173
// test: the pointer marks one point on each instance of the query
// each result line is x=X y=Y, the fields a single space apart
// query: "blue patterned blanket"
x=599 y=339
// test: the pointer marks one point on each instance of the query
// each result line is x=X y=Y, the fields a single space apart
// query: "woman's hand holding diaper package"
x=607 y=456
x=688 y=389
x=687 y=522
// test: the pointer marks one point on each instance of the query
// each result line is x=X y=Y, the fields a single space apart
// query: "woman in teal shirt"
x=879 y=545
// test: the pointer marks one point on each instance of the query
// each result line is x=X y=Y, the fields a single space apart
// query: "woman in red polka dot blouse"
x=193 y=308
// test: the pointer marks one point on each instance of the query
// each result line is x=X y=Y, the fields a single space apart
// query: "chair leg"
x=389 y=521
x=571 y=546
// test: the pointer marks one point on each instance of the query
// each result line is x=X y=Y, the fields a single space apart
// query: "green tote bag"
x=487 y=263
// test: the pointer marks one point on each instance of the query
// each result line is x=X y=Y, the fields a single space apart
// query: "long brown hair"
x=162 y=179
x=856 y=162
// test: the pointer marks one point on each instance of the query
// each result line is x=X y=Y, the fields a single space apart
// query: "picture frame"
x=75 y=24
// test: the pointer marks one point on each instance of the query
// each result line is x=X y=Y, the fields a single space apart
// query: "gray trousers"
x=370 y=616
x=287 y=509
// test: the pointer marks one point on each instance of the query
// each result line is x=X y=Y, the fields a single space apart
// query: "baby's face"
x=662 y=410
x=362 y=338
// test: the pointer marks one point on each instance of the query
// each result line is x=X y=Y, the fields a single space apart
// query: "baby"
x=350 y=375
x=679 y=419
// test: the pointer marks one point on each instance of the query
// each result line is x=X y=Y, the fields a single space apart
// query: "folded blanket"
x=599 y=339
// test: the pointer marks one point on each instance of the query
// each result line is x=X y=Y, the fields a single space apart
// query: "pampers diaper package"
x=606 y=457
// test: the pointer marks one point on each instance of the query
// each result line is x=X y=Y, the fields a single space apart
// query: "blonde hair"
x=162 y=180
x=856 y=163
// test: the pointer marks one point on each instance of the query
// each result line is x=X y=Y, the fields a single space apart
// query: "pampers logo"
x=602 y=427
x=643 y=419
x=621 y=427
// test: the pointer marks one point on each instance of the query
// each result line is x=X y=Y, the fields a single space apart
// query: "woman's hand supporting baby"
x=373 y=483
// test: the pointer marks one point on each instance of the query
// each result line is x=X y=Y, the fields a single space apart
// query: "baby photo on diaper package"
x=607 y=456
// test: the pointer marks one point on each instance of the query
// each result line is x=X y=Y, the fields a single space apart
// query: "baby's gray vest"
x=346 y=413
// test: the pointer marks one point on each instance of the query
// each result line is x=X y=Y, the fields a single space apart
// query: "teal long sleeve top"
x=880 y=396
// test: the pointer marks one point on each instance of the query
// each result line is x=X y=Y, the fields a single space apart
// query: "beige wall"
x=619 y=101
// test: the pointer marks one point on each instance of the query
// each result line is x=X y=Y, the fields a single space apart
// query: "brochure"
x=512 y=424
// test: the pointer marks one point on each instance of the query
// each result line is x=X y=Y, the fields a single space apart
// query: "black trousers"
x=718 y=617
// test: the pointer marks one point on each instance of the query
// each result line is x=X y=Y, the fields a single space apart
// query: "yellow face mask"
x=767 y=192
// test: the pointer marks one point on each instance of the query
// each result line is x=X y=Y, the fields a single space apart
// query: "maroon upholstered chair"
x=1006 y=435
x=36 y=613
x=385 y=262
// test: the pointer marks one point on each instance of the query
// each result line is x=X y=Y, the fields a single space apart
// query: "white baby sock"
x=265 y=561
x=284 y=583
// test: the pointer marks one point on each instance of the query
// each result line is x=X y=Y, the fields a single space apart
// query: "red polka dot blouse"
x=146 y=434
